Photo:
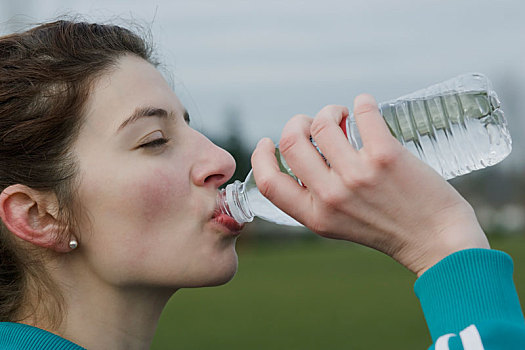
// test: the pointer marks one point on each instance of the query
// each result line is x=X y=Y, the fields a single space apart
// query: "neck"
x=114 y=320
x=102 y=316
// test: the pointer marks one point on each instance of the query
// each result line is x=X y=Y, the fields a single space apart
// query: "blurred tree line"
x=234 y=143
x=498 y=197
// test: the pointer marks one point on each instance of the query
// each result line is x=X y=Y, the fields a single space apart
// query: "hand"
x=380 y=196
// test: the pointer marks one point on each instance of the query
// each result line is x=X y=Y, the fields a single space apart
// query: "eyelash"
x=155 y=143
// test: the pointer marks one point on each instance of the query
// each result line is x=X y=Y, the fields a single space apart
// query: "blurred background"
x=242 y=69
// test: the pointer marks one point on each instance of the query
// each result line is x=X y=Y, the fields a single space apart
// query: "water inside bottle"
x=454 y=133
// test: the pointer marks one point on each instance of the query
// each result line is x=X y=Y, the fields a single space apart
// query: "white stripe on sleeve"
x=471 y=339
x=442 y=342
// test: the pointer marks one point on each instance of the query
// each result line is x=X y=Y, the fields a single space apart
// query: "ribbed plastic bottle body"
x=456 y=127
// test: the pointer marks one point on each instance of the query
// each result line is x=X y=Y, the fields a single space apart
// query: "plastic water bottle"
x=456 y=126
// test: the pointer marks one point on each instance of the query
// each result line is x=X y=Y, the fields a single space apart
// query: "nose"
x=213 y=165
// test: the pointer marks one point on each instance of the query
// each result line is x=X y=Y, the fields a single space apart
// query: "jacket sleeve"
x=470 y=302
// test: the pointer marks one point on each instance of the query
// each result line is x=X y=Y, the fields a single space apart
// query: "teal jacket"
x=16 y=336
x=470 y=302
x=468 y=298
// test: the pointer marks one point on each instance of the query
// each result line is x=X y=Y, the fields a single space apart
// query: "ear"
x=31 y=215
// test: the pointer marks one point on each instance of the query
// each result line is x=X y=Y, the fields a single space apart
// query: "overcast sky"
x=273 y=59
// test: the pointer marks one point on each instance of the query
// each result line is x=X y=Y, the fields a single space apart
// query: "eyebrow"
x=149 y=111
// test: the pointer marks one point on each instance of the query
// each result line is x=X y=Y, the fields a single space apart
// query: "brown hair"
x=46 y=74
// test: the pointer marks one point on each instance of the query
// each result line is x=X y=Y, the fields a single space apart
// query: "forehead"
x=133 y=82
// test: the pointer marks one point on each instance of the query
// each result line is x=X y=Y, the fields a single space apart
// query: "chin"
x=223 y=275
x=220 y=280
x=216 y=273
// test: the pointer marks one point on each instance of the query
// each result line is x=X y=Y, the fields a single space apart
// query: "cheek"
x=158 y=195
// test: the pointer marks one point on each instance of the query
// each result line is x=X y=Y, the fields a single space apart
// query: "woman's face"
x=148 y=184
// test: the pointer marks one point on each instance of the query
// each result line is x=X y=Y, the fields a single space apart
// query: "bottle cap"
x=343 y=125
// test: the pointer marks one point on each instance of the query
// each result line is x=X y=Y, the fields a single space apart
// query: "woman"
x=97 y=153
x=108 y=195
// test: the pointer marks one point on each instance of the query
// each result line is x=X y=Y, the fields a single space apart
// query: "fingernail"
x=364 y=99
x=264 y=140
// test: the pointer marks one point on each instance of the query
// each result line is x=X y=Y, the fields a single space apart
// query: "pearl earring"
x=73 y=243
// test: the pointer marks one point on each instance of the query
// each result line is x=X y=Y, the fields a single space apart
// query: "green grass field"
x=313 y=294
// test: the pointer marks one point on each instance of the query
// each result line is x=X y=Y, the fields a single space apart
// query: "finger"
x=372 y=127
x=279 y=188
x=331 y=139
x=299 y=153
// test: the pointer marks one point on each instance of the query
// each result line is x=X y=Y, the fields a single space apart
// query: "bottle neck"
x=233 y=202
x=349 y=127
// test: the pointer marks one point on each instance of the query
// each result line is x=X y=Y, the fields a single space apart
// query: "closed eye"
x=155 y=143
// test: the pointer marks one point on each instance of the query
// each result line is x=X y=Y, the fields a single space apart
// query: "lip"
x=226 y=221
